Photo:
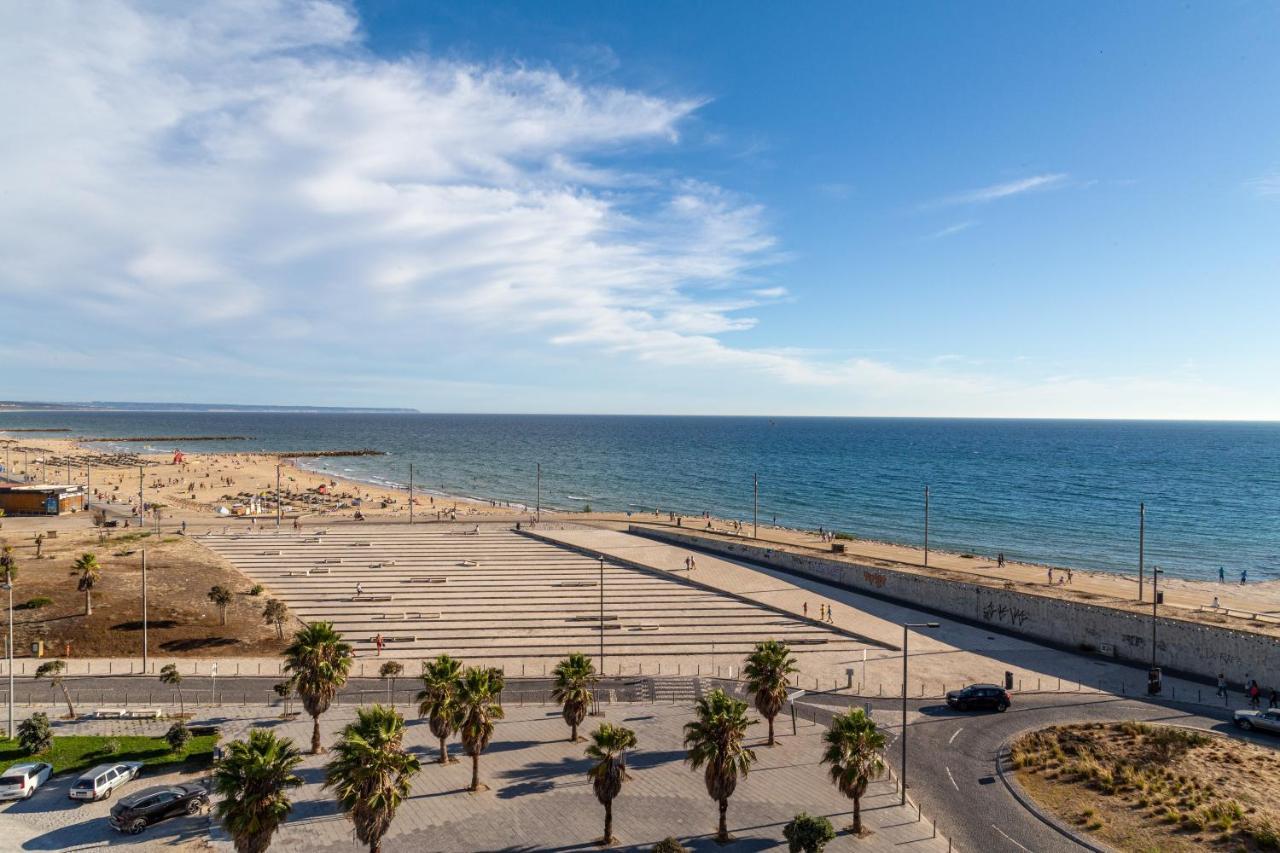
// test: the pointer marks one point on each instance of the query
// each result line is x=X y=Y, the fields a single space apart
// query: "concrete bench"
x=428 y=579
x=468 y=563
x=809 y=641
x=386 y=640
x=575 y=583
x=315 y=539
x=268 y=553
x=406 y=615
x=321 y=570
x=608 y=617
x=334 y=560
x=361 y=544
x=645 y=627
x=371 y=598
x=383 y=563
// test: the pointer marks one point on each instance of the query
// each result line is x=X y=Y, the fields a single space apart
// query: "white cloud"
x=995 y=192
x=1267 y=185
x=952 y=229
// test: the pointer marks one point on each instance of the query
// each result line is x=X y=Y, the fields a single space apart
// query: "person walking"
x=1222 y=685
x=1069 y=576
x=1222 y=574
x=1051 y=576
x=1244 y=577
x=1000 y=560
x=1273 y=699
x=693 y=564
x=377 y=641
x=1255 y=695
x=806 y=610
x=359 y=589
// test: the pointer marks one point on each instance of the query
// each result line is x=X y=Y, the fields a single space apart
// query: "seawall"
x=1185 y=647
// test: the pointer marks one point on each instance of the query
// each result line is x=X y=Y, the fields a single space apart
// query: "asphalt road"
x=951 y=759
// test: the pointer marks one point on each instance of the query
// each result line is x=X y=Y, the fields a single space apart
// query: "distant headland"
x=117 y=406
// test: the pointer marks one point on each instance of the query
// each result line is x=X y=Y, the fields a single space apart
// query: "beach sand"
x=193 y=491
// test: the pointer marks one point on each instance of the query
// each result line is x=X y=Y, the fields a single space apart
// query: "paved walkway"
x=540 y=797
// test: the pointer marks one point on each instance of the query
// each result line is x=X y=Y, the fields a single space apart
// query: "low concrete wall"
x=1182 y=646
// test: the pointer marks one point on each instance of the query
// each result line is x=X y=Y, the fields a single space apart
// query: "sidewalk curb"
x=1012 y=786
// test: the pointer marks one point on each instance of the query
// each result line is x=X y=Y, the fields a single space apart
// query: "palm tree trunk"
x=444 y=750
x=608 y=822
x=772 y=742
x=573 y=733
x=857 y=815
x=315 y=735
x=66 y=694
x=182 y=706
x=475 y=771
x=88 y=603
x=375 y=846
x=722 y=834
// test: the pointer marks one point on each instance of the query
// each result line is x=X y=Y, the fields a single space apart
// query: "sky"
x=826 y=208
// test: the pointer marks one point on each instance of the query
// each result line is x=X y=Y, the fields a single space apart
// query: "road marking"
x=1011 y=841
x=952 y=778
x=953 y=736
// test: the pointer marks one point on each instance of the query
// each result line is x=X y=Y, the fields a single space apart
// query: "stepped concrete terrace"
x=491 y=594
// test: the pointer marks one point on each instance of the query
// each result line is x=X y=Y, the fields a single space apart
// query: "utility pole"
x=755 y=506
x=144 y=611
x=68 y=472
x=279 y=506
x=602 y=615
x=1153 y=677
x=88 y=484
x=411 y=493
x=141 y=518
x=902 y=772
x=8 y=584
x=1142 y=541
x=926 y=526
x=538 y=511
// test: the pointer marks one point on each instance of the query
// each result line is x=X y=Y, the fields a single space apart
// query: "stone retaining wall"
x=1183 y=646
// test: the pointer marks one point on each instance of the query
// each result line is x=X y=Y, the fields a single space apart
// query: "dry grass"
x=1148 y=787
x=181 y=619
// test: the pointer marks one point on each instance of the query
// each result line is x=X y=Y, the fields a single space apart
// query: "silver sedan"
x=1268 y=720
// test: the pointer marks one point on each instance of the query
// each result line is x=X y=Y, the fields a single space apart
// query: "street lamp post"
x=410 y=493
x=602 y=615
x=144 y=611
x=279 y=506
x=538 y=510
x=926 y=526
x=8 y=584
x=902 y=773
x=1153 y=682
x=141 y=506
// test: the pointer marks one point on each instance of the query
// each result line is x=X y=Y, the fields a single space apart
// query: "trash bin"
x=37 y=649
x=1008 y=680
x=1153 y=681
x=837 y=547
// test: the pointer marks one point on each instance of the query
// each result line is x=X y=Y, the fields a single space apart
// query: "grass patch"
x=77 y=753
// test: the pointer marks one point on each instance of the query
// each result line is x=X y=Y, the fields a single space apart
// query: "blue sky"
x=750 y=208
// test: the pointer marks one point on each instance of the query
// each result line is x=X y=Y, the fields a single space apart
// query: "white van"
x=98 y=783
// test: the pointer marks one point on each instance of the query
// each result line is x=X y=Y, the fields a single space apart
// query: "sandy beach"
x=203 y=485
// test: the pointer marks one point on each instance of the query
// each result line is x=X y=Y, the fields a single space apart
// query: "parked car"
x=1268 y=720
x=979 y=696
x=137 y=811
x=21 y=780
x=99 y=782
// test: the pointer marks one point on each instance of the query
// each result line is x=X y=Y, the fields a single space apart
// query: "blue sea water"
x=1059 y=492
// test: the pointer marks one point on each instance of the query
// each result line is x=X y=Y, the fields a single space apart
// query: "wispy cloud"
x=952 y=229
x=995 y=192
x=1267 y=185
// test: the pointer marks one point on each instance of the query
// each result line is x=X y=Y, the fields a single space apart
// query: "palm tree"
x=169 y=675
x=391 y=671
x=574 y=677
x=477 y=693
x=608 y=746
x=854 y=751
x=715 y=740
x=766 y=670
x=55 y=671
x=8 y=564
x=275 y=613
x=222 y=597
x=370 y=772
x=251 y=780
x=437 y=700
x=319 y=661
x=86 y=565
x=39 y=544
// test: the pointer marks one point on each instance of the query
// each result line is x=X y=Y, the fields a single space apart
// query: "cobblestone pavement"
x=540 y=798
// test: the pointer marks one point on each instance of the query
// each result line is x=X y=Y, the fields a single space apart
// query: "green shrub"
x=1265 y=835
x=177 y=737
x=256 y=589
x=34 y=734
x=35 y=603
x=669 y=845
x=808 y=834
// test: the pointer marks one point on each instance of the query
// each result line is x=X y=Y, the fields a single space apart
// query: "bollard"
x=1037 y=685
x=110 y=666
x=259 y=667
x=677 y=668
x=126 y=698
x=917 y=812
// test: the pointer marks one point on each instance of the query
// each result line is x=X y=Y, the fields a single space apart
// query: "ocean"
x=1057 y=492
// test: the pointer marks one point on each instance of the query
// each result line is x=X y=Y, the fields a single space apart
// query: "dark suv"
x=136 y=812
x=979 y=696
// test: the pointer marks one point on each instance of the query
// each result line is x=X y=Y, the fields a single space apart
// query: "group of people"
x=1064 y=576
x=824 y=612
x=1252 y=690
x=1222 y=575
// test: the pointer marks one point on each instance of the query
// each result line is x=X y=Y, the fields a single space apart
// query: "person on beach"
x=1000 y=560
x=1244 y=577
x=1222 y=575
x=806 y=610
x=359 y=589
x=1051 y=576
x=1215 y=603
x=1068 y=576
x=1222 y=685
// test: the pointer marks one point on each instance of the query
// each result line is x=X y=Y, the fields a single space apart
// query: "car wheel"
x=194 y=807
x=1244 y=724
x=30 y=794
x=137 y=826
x=107 y=795
x=1002 y=707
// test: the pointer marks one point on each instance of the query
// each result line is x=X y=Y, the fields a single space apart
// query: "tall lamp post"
x=279 y=506
x=1153 y=677
x=538 y=510
x=903 y=772
x=411 y=493
x=144 y=611
x=141 y=506
x=8 y=584
x=602 y=615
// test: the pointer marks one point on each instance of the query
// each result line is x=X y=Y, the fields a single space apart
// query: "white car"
x=21 y=780
x=98 y=783
x=1268 y=720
